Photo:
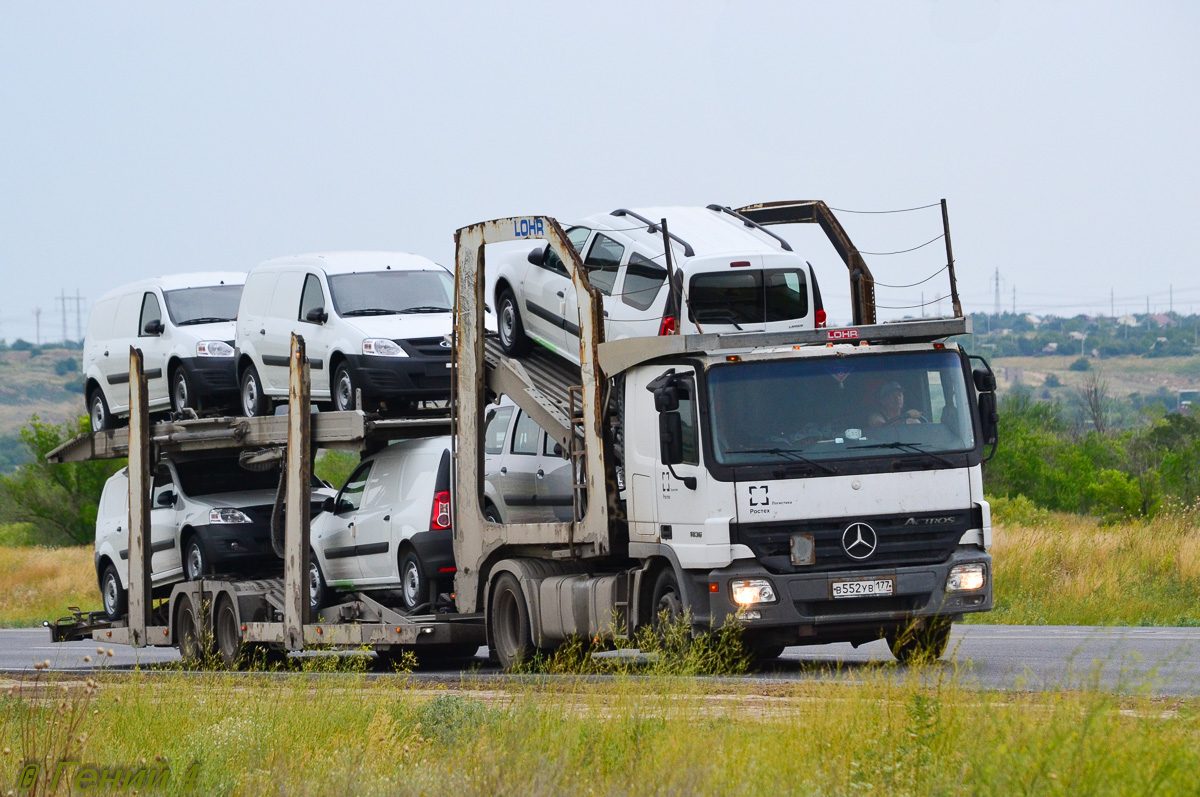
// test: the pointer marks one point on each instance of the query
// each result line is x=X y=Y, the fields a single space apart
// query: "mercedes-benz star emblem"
x=859 y=541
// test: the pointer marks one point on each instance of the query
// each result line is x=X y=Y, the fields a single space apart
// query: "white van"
x=731 y=275
x=371 y=321
x=184 y=326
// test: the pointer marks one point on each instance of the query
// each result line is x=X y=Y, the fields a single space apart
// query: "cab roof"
x=351 y=262
x=710 y=232
x=174 y=282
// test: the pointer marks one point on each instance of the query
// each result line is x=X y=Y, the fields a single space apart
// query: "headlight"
x=382 y=347
x=748 y=592
x=228 y=514
x=213 y=348
x=965 y=578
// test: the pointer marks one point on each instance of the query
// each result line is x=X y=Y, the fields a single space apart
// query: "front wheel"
x=98 y=411
x=508 y=322
x=195 y=561
x=254 y=402
x=318 y=592
x=912 y=645
x=181 y=391
x=112 y=592
x=666 y=600
x=413 y=584
x=344 y=389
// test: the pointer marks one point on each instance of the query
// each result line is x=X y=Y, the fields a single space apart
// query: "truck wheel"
x=414 y=589
x=508 y=323
x=318 y=592
x=112 y=592
x=181 y=391
x=666 y=601
x=194 y=646
x=98 y=411
x=343 y=389
x=254 y=402
x=915 y=645
x=195 y=562
x=229 y=635
x=509 y=620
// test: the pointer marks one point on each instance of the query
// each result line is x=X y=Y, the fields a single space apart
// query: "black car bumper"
x=401 y=378
x=212 y=379
x=436 y=552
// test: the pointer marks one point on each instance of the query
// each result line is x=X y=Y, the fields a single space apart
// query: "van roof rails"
x=750 y=223
x=653 y=226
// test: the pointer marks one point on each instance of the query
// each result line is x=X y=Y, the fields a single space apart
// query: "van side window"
x=643 y=279
x=525 y=435
x=313 y=298
x=351 y=496
x=578 y=237
x=548 y=447
x=150 y=312
x=602 y=262
x=162 y=484
x=496 y=429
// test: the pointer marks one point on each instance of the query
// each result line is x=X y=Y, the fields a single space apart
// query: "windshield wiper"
x=371 y=311
x=425 y=308
x=790 y=453
x=914 y=448
x=203 y=320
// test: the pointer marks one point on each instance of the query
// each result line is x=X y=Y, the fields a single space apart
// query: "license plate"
x=863 y=588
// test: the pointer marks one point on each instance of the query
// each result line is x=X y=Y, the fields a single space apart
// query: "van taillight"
x=739 y=264
x=439 y=516
x=668 y=325
x=820 y=319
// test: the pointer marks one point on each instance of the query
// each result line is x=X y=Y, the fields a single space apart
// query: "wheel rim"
x=250 y=394
x=508 y=322
x=411 y=582
x=110 y=593
x=314 y=584
x=180 y=393
x=343 y=394
x=195 y=561
x=97 y=413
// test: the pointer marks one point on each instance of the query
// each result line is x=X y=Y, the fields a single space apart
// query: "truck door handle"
x=504 y=470
x=541 y=474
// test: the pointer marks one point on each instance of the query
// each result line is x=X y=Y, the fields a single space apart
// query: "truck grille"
x=919 y=538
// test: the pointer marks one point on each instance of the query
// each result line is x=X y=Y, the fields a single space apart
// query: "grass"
x=310 y=734
x=40 y=583
x=1058 y=569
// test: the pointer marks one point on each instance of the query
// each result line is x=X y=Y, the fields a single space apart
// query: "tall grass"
x=921 y=734
x=40 y=583
x=1060 y=569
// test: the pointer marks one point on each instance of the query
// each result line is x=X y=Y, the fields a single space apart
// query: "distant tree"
x=1081 y=364
x=66 y=366
x=1052 y=380
x=59 y=500
x=20 y=344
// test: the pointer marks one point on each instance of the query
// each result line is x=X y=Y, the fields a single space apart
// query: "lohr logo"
x=841 y=334
x=528 y=228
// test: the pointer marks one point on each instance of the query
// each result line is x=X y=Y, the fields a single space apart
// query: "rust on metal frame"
x=298 y=496
x=139 y=594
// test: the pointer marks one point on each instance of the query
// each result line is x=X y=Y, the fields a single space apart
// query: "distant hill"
x=43 y=381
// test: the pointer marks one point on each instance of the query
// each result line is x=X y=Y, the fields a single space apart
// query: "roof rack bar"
x=750 y=223
x=654 y=226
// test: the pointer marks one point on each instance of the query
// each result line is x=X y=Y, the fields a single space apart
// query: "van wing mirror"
x=154 y=327
x=537 y=256
x=317 y=315
x=165 y=498
x=327 y=504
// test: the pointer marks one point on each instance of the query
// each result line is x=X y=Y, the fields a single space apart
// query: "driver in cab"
x=890 y=408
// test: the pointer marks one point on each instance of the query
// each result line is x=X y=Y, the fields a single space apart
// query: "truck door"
x=682 y=512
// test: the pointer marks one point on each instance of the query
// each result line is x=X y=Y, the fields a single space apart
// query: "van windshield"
x=392 y=292
x=212 y=476
x=206 y=305
x=748 y=296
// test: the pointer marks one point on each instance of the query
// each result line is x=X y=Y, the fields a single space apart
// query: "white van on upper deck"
x=731 y=275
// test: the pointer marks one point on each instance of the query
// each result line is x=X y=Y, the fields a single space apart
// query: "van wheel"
x=343 y=388
x=318 y=592
x=253 y=401
x=508 y=322
x=181 y=391
x=112 y=592
x=195 y=562
x=509 y=620
x=414 y=589
x=98 y=411
x=492 y=514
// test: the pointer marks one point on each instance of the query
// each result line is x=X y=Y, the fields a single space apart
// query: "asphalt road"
x=1157 y=661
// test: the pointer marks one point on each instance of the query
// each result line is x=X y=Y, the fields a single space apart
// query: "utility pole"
x=37 y=320
x=62 y=299
x=1171 y=300
x=1111 y=303
x=1014 y=300
x=78 y=316
x=996 y=278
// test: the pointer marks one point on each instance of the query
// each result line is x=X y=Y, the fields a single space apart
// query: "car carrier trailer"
x=662 y=525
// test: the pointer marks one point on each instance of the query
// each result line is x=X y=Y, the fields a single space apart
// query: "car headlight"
x=228 y=514
x=751 y=591
x=965 y=578
x=213 y=348
x=382 y=347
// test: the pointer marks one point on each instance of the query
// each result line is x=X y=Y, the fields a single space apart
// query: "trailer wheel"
x=916 y=645
x=112 y=592
x=508 y=617
x=229 y=635
x=194 y=645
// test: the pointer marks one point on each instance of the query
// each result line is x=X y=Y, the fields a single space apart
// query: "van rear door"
x=748 y=293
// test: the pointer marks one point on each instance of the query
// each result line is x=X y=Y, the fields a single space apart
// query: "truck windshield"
x=807 y=409
x=392 y=292
x=206 y=305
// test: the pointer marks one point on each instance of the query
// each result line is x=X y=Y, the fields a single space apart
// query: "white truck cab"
x=730 y=275
x=184 y=326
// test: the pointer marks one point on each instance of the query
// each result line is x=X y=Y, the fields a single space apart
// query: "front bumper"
x=806 y=611
x=212 y=378
x=243 y=548
x=404 y=378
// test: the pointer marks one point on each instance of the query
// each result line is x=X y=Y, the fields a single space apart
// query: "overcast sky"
x=139 y=139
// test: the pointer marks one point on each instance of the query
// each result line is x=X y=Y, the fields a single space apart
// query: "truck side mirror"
x=989 y=420
x=670 y=438
x=317 y=315
x=985 y=380
x=666 y=398
x=154 y=327
x=537 y=256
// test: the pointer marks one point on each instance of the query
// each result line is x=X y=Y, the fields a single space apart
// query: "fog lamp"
x=747 y=592
x=965 y=578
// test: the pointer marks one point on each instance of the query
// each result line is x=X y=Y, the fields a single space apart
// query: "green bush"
x=1018 y=511
x=1052 y=380
x=1080 y=364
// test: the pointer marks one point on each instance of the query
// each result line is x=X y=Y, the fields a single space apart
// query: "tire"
x=920 y=645
x=513 y=340
x=194 y=645
x=98 y=411
x=112 y=593
x=228 y=635
x=181 y=391
x=508 y=619
x=344 y=389
x=318 y=591
x=195 y=561
x=492 y=514
x=667 y=598
x=414 y=586
x=254 y=403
